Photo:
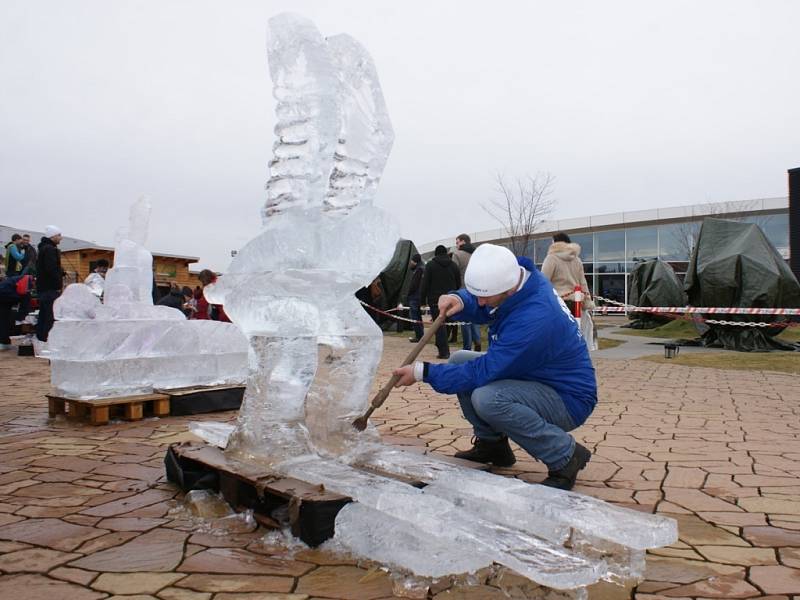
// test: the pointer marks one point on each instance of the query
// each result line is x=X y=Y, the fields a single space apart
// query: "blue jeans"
x=471 y=334
x=415 y=313
x=532 y=414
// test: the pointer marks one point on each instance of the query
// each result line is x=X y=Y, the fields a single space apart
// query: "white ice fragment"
x=212 y=432
x=75 y=303
x=366 y=531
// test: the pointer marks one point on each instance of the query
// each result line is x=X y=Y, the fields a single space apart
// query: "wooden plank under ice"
x=253 y=474
x=185 y=391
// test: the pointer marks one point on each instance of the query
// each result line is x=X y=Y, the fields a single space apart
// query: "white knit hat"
x=491 y=270
x=51 y=230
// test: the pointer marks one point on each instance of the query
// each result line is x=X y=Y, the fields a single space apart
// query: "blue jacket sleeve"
x=506 y=358
x=471 y=312
x=15 y=252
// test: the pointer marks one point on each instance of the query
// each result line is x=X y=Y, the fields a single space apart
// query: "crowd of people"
x=34 y=277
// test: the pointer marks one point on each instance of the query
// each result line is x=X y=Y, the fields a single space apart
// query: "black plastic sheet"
x=734 y=265
x=653 y=283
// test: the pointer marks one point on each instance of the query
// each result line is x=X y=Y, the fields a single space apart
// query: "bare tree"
x=521 y=207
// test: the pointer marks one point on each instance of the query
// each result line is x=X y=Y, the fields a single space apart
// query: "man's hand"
x=406 y=375
x=450 y=304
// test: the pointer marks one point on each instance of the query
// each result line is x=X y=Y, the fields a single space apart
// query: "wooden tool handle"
x=380 y=397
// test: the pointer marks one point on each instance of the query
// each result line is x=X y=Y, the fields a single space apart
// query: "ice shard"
x=314 y=352
x=124 y=345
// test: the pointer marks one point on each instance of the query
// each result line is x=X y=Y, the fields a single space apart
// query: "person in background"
x=49 y=279
x=414 y=300
x=470 y=332
x=96 y=280
x=563 y=267
x=440 y=277
x=204 y=309
x=15 y=255
x=29 y=266
x=14 y=290
x=178 y=298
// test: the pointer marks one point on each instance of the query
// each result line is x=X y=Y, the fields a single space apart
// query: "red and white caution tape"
x=679 y=312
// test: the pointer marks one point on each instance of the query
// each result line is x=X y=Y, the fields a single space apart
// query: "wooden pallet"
x=99 y=410
x=312 y=508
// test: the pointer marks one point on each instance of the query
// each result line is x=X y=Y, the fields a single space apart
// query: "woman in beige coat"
x=564 y=269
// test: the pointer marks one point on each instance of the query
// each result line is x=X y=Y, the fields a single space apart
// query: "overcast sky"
x=629 y=105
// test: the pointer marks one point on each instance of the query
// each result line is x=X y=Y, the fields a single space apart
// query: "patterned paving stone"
x=776 y=580
x=33 y=560
x=53 y=533
x=134 y=583
x=345 y=583
x=157 y=551
x=238 y=583
x=235 y=560
x=39 y=587
x=771 y=537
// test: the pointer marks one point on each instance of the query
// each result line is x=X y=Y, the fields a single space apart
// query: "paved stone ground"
x=84 y=511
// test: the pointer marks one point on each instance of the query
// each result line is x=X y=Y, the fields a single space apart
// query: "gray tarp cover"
x=394 y=282
x=735 y=265
x=653 y=283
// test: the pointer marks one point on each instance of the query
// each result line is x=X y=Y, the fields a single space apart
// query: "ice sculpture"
x=125 y=345
x=314 y=351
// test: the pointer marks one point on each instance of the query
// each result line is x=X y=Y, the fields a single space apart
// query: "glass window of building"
x=609 y=246
x=611 y=287
x=677 y=240
x=586 y=242
x=540 y=247
x=776 y=228
x=642 y=243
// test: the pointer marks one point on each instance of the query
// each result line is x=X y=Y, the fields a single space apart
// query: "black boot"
x=477 y=346
x=499 y=452
x=564 y=478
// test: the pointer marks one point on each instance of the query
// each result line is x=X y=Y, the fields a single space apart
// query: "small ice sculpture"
x=313 y=349
x=314 y=352
x=125 y=345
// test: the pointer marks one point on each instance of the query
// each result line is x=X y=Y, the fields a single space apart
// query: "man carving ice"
x=534 y=384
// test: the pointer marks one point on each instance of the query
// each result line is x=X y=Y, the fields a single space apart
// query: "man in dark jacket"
x=534 y=384
x=414 y=300
x=470 y=332
x=440 y=277
x=177 y=297
x=49 y=280
x=29 y=264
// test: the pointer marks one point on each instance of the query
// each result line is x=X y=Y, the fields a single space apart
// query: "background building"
x=612 y=244
x=79 y=258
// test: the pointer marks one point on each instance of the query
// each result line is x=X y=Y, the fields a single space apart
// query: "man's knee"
x=462 y=356
x=488 y=402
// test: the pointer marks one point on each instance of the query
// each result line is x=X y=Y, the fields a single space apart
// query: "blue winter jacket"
x=533 y=338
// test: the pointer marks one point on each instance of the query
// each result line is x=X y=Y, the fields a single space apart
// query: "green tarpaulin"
x=734 y=265
x=392 y=283
x=653 y=283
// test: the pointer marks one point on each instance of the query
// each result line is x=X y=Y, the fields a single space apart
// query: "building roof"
x=69 y=244
x=633 y=218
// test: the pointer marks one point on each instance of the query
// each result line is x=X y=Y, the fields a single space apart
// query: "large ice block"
x=125 y=345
